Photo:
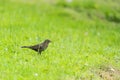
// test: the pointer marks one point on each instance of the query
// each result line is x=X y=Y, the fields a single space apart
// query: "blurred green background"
x=85 y=37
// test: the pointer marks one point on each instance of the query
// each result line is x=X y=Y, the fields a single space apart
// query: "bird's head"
x=47 y=41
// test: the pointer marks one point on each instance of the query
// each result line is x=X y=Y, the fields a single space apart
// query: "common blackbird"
x=39 y=47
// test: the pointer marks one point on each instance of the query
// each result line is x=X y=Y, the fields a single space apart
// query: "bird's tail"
x=25 y=47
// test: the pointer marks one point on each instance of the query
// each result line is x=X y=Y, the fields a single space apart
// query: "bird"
x=39 y=47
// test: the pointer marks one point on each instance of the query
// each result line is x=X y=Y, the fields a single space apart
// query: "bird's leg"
x=39 y=52
x=38 y=48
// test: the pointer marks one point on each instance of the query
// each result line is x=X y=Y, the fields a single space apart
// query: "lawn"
x=85 y=37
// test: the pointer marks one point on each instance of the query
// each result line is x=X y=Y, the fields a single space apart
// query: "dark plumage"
x=39 y=47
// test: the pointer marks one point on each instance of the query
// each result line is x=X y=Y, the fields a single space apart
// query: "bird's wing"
x=35 y=47
x=40 y=48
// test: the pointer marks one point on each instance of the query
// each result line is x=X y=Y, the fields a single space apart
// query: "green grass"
x=85 y=35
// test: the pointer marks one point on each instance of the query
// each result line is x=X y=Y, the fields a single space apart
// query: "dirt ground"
x=109 y=73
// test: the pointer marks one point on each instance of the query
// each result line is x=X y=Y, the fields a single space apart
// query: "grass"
x=85 y=36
